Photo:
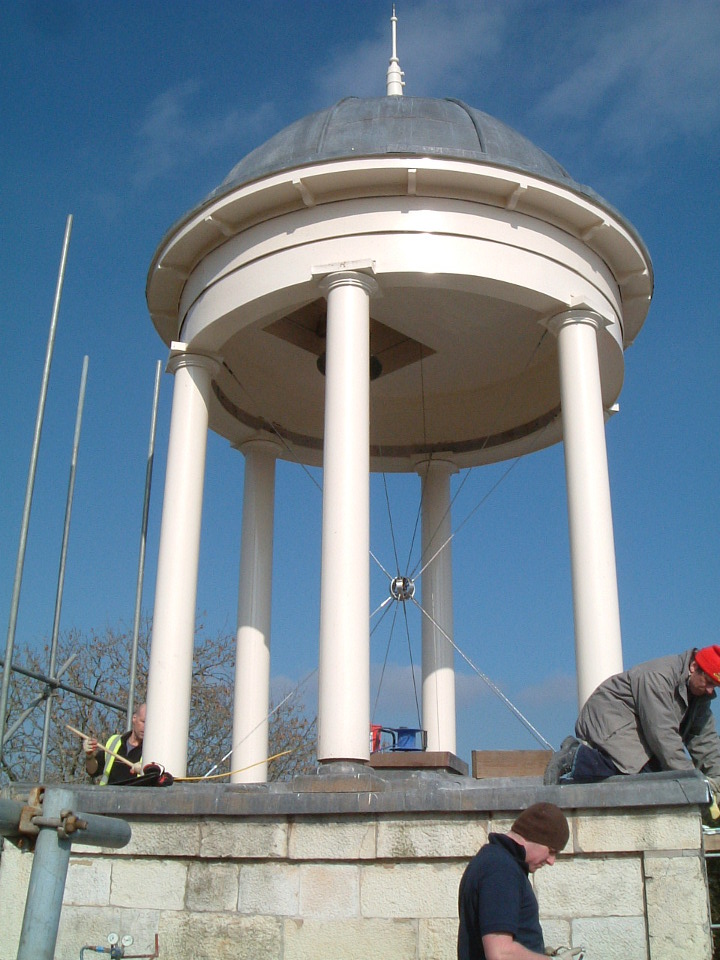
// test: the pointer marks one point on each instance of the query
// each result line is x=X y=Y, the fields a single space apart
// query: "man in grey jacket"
x=655 y=716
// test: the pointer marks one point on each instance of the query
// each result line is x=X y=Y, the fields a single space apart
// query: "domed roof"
x=394 y=125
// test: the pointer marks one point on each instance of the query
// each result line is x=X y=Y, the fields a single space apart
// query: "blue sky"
x=128 y=114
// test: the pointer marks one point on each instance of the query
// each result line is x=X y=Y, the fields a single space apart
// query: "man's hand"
x=502 y=946
x=90 y=744
x=136 y=769
x=714 y=784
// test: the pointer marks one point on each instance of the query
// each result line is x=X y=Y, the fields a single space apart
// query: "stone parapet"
x=214 y=873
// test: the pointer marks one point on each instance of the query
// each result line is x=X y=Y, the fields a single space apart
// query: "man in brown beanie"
x=497 y=906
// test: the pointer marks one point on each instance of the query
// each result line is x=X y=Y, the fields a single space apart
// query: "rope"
x=500 y=414
x=300 y=685
x=412 y=665
x=490 y=683
x=387 y=651
x=217 y=776
x=273 y=427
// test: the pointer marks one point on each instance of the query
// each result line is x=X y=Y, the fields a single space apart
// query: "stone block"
x=88 y=882
x=612 y=938
x=605 y=831
x=426 y=838
x=219 y=936
x=15 y=867
x=556 y=933
x=212 y=887
x=157 y=885
x=83 y=926
x=158 y=838
x=437 y=939
x=329 y=891
x=244 y=839
x=349 y=940
x=591 y=887
x=269 y=889
x=420 y=890
x=677 y=908
x=347 y=839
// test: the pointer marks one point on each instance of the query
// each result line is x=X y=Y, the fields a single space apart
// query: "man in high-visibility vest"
x=127 y=745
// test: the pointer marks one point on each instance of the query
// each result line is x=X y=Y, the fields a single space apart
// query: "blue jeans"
x=589 y=766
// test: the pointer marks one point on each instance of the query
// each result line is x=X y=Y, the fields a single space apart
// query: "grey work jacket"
x=647 y=713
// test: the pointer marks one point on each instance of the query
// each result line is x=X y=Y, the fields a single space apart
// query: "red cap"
x=708 y=659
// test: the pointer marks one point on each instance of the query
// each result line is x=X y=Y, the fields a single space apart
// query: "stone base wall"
x=339 y=886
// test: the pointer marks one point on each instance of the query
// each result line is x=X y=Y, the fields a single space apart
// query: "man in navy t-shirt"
x=497 y=906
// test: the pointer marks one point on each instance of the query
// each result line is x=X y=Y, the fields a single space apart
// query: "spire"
x=395 y=82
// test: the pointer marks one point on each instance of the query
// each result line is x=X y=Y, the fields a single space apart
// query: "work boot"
x=561 y=761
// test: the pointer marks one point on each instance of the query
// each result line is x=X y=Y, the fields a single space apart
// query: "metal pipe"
x=58 y=829
x=143 y=543
x=63 y=559
x=10 y=812
x=47 y=885
x=57 y=684
x=36 y=701
x=15 y=602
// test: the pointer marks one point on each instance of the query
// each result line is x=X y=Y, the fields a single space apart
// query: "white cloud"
x=644 y=73
x=177 y=131
x=559 y=690
x=435 y=43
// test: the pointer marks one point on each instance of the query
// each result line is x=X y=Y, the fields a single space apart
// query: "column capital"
x=359 y=273
x=441 y=465
x=576 y=315
x=260 y=444
x=179 y=357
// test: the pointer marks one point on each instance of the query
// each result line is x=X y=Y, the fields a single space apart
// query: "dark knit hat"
x=543 y=823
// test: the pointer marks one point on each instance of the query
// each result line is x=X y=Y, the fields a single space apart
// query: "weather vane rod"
x=395 y=82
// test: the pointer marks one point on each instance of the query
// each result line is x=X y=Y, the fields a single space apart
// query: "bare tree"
x=100 y=666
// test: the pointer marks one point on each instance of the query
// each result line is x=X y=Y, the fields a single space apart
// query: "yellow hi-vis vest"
x=114 y=744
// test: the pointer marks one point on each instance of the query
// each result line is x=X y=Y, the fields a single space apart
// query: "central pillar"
x=173 y=631
x=252 y=661
x=344 y=668
x=598 y=642
x=438 y=654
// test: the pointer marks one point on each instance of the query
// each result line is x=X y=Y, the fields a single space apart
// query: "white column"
x=252 y=661
x=344 y=674
x=598 y=642
x=173 y=633
x=438 y=667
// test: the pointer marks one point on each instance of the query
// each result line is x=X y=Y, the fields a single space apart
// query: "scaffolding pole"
x=61 y=571
x=50 y=822
x=59 y=685
x=143 y=544
x=15 y=602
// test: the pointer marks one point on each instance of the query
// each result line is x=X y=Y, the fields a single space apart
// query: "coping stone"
x=364 y=791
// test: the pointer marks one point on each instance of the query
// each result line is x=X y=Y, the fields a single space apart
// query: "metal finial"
x=395 y=82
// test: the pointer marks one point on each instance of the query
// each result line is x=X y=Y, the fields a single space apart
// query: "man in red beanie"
x=497 y=906
x=656 y=716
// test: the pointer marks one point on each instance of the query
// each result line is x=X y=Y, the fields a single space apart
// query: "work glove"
x=714 y=785
x=90 y=744
x=137 y=769
x=565 y=953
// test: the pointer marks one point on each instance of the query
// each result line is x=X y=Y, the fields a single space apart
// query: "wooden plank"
x=418 y=760
x=711 y=842
x=509 y=763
